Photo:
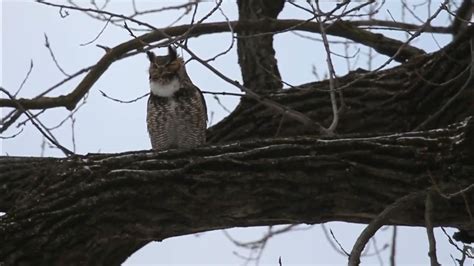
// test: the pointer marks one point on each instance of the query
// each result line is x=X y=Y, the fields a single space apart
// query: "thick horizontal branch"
x=343 y=29
x=101 y=208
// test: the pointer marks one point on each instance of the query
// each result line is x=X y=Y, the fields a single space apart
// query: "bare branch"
x=124 y=101
x=221 y=104
x=232 y=41
x=377 y=222
x=25 y=79
x=393 y=246
x=98 y=35
x=332 y=73
x=451 y=241
x=342 y=29
x=429 y=229
x=119 y=21
x=41 y=128
x=298 y=116
x=339 y=244
x=48 y=46
x=462 y=16
x=257 y=247
x=11 y=118
x=97 y=11
x=12 y=136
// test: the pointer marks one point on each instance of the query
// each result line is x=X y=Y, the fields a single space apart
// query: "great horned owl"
x=176 y=112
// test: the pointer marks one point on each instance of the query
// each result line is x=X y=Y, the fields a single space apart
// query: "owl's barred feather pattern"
x=176 y=120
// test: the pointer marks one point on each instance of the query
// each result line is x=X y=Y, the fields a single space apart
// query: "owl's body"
x=176 y=112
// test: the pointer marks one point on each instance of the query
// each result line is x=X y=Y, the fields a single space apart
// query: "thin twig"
x=39 y=126
x=445 y=83
x=146 y=94
x=282 y=109
x=136 y=13
x=10 y=118
x=332 y=73
x=98 y=35
x=25 y=79
x=429 y=229
x=12 y=136
x=450 y=195
x=102 y=12
x=220 y=104
x=445 y=7
x=298 y=116
x=404 y=4
x=448 y=103
x=193 y=17
x=339 y=244
x=48 y=46
x=258 y=246
x=393 y=246
x=130 y=48
x=69 y=116
x=232 y=41
x=451 y=241
x=73 y=132
x=22 y=123
x=123 y=101
x=339 y=250
x=224 y=93
x=377 y=250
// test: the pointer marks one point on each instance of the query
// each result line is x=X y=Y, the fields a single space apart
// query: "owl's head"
x=164 y=69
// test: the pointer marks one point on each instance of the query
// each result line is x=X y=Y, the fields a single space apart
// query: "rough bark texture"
x=394 y=100
x=98 y=209
x=256 y=54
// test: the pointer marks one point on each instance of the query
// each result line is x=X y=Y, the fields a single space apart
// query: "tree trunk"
x=394 y=100
x=98 y=209
x=256 y=54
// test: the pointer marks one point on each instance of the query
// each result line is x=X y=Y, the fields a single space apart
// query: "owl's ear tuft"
x=151 y=56
x=172 y=53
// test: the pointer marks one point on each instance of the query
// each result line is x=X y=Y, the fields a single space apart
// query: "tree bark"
x=98 y=209
x=394 y=100
x=256 y=54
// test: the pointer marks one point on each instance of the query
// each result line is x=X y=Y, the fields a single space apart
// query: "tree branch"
x=101 y=208
x=380 y=43
x=394 y=100
x=255 y=51
x=429 y=229
x=379 y=221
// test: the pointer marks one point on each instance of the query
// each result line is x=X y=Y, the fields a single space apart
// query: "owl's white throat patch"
x=164 y=89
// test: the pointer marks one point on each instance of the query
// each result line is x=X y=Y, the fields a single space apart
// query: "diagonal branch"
x=381 y=219
x=380 y=43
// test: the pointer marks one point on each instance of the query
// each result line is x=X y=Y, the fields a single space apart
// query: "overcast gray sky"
x=102 y=125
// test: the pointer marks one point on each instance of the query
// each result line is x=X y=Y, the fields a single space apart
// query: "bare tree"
x=383 y=147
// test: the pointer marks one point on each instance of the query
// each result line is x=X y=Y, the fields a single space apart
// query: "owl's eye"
x=169 y=62
x=157 y=67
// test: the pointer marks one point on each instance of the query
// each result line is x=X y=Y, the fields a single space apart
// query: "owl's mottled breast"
x=178 y=121
x=176 y=112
